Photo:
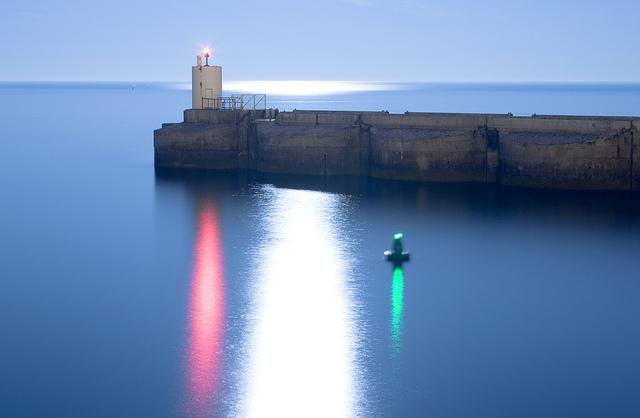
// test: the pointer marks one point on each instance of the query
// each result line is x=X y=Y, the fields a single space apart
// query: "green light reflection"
x=397 y=307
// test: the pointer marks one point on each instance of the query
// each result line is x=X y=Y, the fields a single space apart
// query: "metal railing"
x=236 y=102
x=253 y=101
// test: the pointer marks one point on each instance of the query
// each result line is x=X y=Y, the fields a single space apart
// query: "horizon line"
x=340 y=81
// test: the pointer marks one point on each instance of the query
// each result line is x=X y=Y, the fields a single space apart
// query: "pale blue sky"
x=455 y=40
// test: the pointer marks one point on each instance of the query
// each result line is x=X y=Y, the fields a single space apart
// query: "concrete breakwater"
x=555 y=152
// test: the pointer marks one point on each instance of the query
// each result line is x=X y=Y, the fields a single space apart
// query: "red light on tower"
x=206 y=81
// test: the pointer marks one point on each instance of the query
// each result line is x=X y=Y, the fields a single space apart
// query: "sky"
x=364 y=40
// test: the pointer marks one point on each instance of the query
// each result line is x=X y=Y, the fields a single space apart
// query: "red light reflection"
x=206 y=314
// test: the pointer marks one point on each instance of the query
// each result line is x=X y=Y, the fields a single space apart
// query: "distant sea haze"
x=594 y=99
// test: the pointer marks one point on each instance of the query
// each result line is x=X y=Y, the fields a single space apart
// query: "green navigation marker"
x=397 y=256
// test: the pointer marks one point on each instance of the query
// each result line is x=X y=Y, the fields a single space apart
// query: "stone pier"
x=553 y=152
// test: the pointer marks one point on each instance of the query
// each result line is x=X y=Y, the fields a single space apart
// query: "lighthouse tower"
x=206 y=83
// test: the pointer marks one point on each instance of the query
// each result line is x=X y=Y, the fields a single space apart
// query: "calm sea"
x=130 y=293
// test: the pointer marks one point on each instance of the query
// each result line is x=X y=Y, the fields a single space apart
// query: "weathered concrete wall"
x=197 y=145
x=307 y=149
x=210 y=116
x=565 y=152
x=427 y=154
x=568 y=161
x=635 y=161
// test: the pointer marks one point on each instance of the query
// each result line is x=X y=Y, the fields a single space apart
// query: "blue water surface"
x=129 y=292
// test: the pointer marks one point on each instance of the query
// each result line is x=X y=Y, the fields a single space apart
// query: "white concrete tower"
x=206 y=83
